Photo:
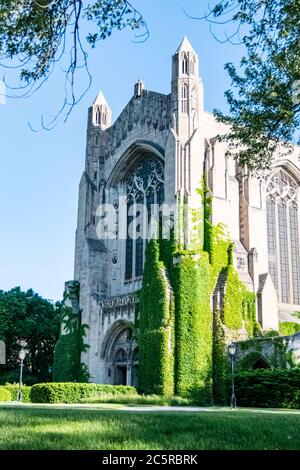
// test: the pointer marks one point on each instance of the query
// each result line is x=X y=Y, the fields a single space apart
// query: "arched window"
x=185 y=65
x=104 y=116
x=101 y=115
x=283 y=236
x=184 y=98
x=144 y=187
x=98 y=117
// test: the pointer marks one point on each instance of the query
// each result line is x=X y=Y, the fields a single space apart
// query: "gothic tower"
x=188 y=109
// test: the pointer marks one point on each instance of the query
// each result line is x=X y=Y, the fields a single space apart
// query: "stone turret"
x=100 y=113
x=187 y=90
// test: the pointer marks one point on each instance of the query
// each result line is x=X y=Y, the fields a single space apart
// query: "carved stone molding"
x=118 y=307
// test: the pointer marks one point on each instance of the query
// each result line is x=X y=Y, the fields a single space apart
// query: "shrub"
x=13 y=390
x=4 y=394
x=67 y=392
x=12 y=377
x=270 y=388
x=140 y=400
x=287 y=328
x=271 y=333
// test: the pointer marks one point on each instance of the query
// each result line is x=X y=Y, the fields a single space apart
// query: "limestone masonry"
x=156 y=151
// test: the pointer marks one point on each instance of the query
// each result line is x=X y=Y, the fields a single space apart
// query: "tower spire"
x=187 y=89
x=101 y=112
x=185 y=61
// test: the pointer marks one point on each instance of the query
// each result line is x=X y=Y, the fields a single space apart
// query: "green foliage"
x=233 y=300
x=206 y=226
x=249 y=314
x=4 y=395
x=156 y=326
x=26 y=318
x=264 y=103
x=134 y=399
x=219 y=361
x=13 y=376
x=67 y=359
x=238 y=310
x=198 y=339
x=49 y=428
x=270 y=348
x=74 y=392
x=193 y=327
x=275 y=388
x=13 y=390
x=215 y=241
x=287 y=328
x=67 y=364
x=270 y=333
x=46 y=33
x=239 y=305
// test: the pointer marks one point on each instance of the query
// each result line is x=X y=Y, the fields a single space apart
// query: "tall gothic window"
x=283 y=236
x=144 y=188
x=98 y=116
x=185 y=64
x=184 y=98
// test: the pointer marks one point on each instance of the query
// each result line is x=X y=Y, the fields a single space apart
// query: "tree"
x=26 y=318
x=37 y=35
x=264 y=100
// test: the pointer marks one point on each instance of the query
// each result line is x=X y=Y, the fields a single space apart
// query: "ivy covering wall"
x=156 y=327
x=67 y=365
x=177 y=319
x=193 y=326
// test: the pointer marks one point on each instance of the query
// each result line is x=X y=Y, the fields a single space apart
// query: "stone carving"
x=119 y=307
x=151 y=108
x=241 y=263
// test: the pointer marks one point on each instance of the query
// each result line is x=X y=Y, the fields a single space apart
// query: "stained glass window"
x=272 y=240
x=283 y=236
x=144 y=187
x=295 y=253
x=283 y=252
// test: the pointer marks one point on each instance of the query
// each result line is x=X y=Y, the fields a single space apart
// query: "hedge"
x=68 y=392
x=270 y=388
x=4 y=394
x=13 y=390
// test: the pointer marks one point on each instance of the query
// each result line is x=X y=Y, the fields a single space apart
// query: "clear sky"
x=40 y=171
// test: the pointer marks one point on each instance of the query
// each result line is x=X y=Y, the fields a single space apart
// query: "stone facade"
x=170 y=140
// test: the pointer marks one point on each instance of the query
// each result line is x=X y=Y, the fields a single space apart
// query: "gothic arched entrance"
x=120 y=356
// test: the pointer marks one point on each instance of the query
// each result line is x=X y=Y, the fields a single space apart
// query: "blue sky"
x=40 y=171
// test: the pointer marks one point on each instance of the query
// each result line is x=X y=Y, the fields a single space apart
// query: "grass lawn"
x=53 y=428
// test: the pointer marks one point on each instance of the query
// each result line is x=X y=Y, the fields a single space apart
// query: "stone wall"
x=275 y=351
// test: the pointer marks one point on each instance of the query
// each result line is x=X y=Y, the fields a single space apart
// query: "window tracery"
x=283 y=236
x=144 y=187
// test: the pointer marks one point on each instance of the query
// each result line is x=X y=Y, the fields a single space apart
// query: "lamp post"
x=231 y=350
x=22 y=355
